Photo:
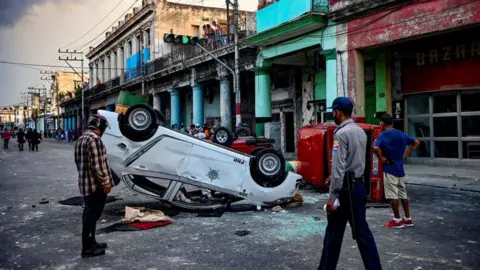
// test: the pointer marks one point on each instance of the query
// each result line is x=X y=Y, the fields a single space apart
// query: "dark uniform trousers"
x=337 y=222
x=94 y=204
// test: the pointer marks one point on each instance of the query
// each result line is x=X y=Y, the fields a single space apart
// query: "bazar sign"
x=447 y=53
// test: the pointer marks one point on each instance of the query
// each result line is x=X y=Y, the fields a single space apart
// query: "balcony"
x=287 y=19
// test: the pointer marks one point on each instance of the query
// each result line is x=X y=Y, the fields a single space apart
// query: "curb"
x=444 y=187
x=453 y=177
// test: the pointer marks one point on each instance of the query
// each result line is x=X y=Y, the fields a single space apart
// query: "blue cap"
x=342 y=104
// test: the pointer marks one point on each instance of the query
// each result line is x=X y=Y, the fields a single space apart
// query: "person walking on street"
x=347 y=186
x=390 y=148
x=35 y=139
x=94 y=181
x=28 y=136
x=6 y=138
x=20 y=139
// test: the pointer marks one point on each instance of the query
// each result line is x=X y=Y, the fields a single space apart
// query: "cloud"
x=11 y=11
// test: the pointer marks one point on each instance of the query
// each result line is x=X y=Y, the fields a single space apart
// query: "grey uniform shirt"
x=348 y=154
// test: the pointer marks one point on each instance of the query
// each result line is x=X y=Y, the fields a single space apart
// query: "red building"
x=418 y=60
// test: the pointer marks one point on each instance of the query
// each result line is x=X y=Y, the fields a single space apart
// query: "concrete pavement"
x=47 y=236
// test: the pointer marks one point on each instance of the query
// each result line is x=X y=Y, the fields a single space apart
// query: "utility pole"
x=72 y=58
x=236 y=78
x=52 y=80
x=34 y=92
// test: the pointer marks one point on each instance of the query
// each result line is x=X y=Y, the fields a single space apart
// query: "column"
x=225 y=103
x=356 y=83
x=331 y=75
x=74 y=122
x=197 y=104
x=156 y=101
x=175 y=107
x=91 y=76
x=383 y=87
x=263 y=100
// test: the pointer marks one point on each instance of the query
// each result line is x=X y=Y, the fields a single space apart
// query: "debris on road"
x=43 y=201
x=277 y=208
x=133 y=214
x=104 y=221
x=242 y=232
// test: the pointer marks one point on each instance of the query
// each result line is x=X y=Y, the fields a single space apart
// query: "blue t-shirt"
x=393 y=143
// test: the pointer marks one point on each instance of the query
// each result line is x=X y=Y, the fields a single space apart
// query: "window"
x=445 y=126
x=471 y=150
x=147 y=38
x=470 y=101
x=419 y=127
x=418 y=105
x=471 y=126
x=446 y=149
x=423 y=150
x=445 y=103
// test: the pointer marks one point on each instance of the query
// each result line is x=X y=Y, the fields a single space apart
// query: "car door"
x=216 y=168
x=163 y=157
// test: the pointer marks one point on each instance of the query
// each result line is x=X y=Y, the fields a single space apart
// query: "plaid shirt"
x=92 y=166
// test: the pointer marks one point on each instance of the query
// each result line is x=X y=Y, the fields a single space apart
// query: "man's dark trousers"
x=94 y=204
x=337 y=222
x=5 y=144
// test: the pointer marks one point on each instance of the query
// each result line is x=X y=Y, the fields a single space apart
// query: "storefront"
x=440 y=84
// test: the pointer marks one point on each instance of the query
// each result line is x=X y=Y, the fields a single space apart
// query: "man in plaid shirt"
x=94 y=181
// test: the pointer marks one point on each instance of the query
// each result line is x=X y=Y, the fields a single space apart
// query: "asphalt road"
x=47 y=236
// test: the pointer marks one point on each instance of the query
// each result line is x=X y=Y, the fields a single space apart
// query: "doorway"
x=289 y=132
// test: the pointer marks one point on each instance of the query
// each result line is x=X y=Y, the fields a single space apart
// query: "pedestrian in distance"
x=94 y=181
x=35 y=139
x=347 y=186
x=28 y=136
x=6 y=138
x=20 y=139
x=390 y=148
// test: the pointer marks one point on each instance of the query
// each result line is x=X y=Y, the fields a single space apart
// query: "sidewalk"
x=444 y=177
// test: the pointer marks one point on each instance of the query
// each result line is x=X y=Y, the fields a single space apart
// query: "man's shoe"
x=93 y=252
x=394 y=225
x=407 y=223
x=101 y=245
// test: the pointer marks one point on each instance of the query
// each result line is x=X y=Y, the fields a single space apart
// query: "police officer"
x=348 y=158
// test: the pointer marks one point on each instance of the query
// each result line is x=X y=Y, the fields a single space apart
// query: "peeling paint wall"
x=420 y=18
x=308 y=85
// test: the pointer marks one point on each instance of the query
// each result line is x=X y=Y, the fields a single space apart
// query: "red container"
x=315 y=144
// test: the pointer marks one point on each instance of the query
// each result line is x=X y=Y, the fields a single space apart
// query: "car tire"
x=223 y=136
x=139 y=123
x=243 y=131
x=268 y=167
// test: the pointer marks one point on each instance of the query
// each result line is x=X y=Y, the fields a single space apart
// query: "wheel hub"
x=139 y=119
x=222 y=136
x=269 y=164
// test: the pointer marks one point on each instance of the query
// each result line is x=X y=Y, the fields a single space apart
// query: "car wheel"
x=223 y=136
x=116 y=179
x=139 y=123
x=243 y=131
x=268 y=167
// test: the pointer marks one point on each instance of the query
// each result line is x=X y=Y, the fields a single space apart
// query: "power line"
x=121 y=1
x=89 y=42
x=41 y=65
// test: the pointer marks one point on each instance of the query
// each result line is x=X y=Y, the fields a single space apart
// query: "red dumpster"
x=315 y=144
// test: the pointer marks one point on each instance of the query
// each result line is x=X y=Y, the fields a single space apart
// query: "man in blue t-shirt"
x=391 y=149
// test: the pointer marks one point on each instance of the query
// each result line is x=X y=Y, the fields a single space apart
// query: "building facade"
x=295 y=73
x=418 y=60
x=185 y=83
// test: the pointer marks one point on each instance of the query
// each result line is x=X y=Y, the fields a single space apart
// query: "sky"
x=32 y=31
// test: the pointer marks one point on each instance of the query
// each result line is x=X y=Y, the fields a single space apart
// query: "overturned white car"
x=157 y=161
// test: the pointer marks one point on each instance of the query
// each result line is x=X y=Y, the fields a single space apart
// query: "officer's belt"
x=358 y=180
